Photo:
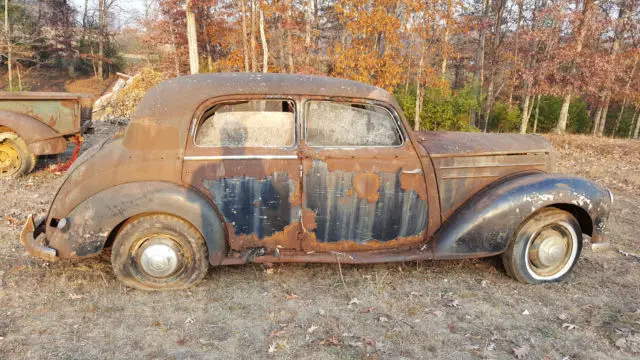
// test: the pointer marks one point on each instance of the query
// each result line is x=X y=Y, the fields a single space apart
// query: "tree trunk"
x=489 y=102
x=633 y=122
x=307 y=37
x=479 y=74
x=525 y=114
x=535 y=120
x=192 y=39
x=245 y=42
x=287 y=5
x=564 y=111
x=603 y=117
x=445 y=41
x=637 y=130
x=564 y=114
x=8 y=38
x=265 y=48
x=252 y=38
x=596 y=121
x=101 y=35
x=615 y=128
x=176 y=60
x=624 y=101
x=416 y=119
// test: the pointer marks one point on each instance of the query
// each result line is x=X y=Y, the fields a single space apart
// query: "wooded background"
x=471 y=65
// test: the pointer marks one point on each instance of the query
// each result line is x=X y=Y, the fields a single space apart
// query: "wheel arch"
x=94 y=223
x=486 y=223
x=40 y=138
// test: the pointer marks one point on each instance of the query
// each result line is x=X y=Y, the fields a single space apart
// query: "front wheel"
x=159 y=252
x=545 y=248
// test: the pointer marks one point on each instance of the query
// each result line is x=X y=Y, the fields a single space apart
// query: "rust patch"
x=367 y=185
x=287 y=238
x=309 y=219
x=347 y=245
x=414 y=182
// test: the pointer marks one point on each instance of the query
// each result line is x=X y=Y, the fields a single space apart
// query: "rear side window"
x=255 y=123
x=346 y=124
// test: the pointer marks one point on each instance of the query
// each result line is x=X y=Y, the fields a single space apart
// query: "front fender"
x=486 y=223
x=88 y=226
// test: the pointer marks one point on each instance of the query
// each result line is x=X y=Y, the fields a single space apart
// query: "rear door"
x=363 y=183
x=243 y=154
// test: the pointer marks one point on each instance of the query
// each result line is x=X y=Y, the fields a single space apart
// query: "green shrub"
x=442 y=109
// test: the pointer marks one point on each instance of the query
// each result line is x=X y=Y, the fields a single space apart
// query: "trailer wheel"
x=159 y=252
x=15 y=157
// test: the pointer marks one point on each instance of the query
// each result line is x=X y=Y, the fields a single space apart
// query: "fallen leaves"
x=453 y=303
x=520 y=352
x=332 y=340
x=277 y=346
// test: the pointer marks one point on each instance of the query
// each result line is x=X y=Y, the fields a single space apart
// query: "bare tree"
x=265 y=48
x=192 y=39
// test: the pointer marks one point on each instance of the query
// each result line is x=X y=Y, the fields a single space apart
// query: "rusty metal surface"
x=56 y=145
x=449 y=143
x=38 y=118
x=490 y=218
x=89 y=224
x=459 y=177
x=302 y=203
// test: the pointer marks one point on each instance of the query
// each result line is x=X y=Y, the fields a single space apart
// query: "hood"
x=449 y=143
x=466 y=163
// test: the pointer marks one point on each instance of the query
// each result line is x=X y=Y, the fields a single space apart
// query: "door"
x=363 y=183
x=243 y=154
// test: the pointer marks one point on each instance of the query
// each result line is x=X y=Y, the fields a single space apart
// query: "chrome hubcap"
x=551 y=251
x=160 y=259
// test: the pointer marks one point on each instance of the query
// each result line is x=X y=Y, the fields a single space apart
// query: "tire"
x=159 y=252
x=15 y=158
x=545 y=248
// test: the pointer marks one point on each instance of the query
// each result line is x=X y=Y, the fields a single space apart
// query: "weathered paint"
x=256 y=208
x=379 y=208
x=401 y=187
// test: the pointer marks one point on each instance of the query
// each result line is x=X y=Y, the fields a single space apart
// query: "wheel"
x=159 y=252
x=545 y=248
x=15 y=157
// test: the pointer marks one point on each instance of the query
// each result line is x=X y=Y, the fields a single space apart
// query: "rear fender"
x=40 y=138
x=486 y=223
x=90 y=224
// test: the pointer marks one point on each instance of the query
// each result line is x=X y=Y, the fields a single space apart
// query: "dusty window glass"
x=256 y=123
x=344 y=124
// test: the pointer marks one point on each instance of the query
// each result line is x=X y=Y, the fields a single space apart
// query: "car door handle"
x=414 y=171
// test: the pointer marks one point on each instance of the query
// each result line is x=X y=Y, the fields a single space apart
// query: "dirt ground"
x=427 y=309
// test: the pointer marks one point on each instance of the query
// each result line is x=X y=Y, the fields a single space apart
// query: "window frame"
x=199 y=120
x=389 y=109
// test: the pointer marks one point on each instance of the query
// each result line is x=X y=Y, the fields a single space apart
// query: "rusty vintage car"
x=39 y=123
x=223 y=169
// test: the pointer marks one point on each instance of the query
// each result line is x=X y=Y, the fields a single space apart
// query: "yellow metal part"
x=10 y=160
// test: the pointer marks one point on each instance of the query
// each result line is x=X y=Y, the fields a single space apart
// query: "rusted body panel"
x=487 y=222
x=436 y=195
x=43 y=120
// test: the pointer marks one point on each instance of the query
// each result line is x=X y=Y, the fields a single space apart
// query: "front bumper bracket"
x=30 y=233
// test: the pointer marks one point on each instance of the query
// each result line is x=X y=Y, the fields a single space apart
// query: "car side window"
x=254 y=123
x=347 y=124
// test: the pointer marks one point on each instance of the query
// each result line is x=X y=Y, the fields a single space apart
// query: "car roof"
x=167 y=108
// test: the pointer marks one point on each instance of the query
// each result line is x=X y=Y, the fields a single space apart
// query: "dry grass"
x=79 y=310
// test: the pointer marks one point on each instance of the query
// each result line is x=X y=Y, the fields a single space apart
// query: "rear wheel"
x=159 y=252
x=15 y=157
x=545 y=248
